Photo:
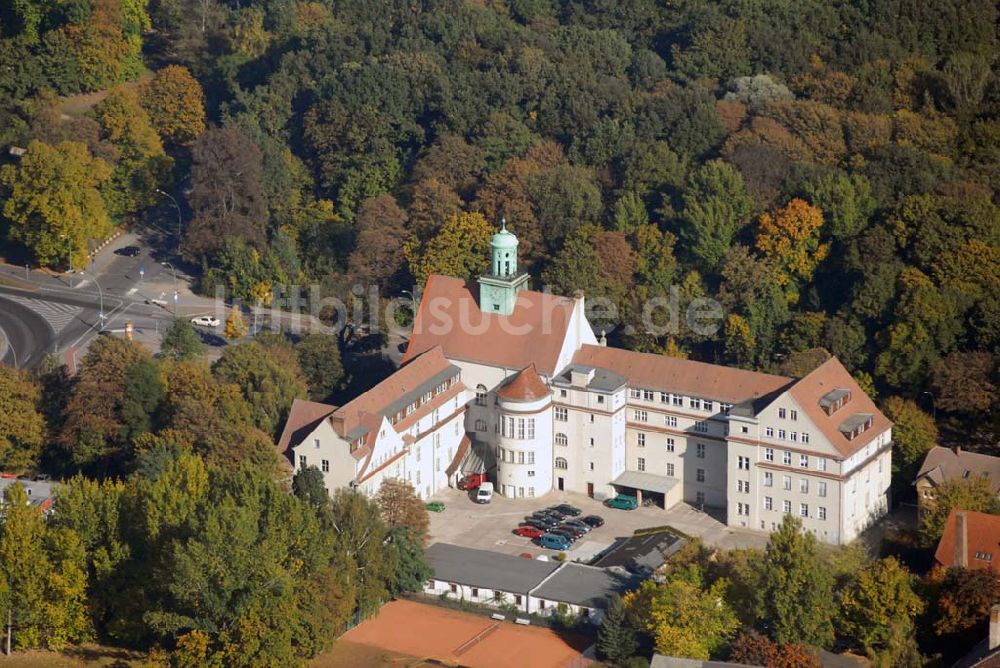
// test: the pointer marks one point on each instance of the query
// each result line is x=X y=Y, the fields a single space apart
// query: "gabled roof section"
x=409 y=385
x=486 y=569
x=449 y=317
x=303 y=418
x=942 y=464
x=680 y=376
x=526 y=385
x=859 y=410
x=982 y=535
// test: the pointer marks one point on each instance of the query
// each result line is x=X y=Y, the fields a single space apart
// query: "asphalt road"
x=24 y=335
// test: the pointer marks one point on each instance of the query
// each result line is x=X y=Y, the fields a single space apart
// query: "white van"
x=485 y=493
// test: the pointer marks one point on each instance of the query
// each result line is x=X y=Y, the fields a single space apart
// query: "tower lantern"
x=499 y=286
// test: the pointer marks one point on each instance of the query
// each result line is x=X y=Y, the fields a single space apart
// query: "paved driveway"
x=490 y=526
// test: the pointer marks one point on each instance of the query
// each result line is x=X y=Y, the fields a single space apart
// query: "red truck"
x=472 y=481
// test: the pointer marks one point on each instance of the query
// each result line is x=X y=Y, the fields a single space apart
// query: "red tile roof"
x=449 y=317
x=829 y=376
x=681 y=376
x=371 y=403
x=982 y=537
x=302 y=420
x=527 y=385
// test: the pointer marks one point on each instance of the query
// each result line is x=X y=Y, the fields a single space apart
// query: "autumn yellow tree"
x=54 y=204
x=175 y=102
x=235 y=325
x=460 y=249
x=21 y=425
x=789 y=238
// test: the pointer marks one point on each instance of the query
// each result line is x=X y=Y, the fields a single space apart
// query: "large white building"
x=550 y=408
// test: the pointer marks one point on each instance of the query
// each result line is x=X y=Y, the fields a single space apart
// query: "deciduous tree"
x=715 y=208
x=913 y=435
x=461 y=249
x=53 y=202
x=181 y=342
x=22 y=427
x=401 y=507
x=973 y=493
x=319 y=357
x=879 y=604
x=269 y=382
x=174 y=101
x=795 y=594
x=790 y=239
x=964 y=599
x=381 y=233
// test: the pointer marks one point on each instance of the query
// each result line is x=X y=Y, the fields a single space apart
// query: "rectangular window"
x=699 y=498
x=781 y=434
x=768 y=479
x=786 y=458
x=678 y=400
x=786 y=482
x=821 y=488
x=670 y=469
x=743 y=463
x=743 y=486
x=591 y=466
x=326 y=465
x=302 y=461
x=700 y=450
x=804 y=485
x=670 y=445
x=804 y=510
x=821 y=463
x=531 y=428
x=531 y=457
x=694 y=403
x=804 y=461
x=769 y=454
x=475 y=592
x=647 y=395
x=520 y=429
x=793 y=436
x=805 y=437
x=700 y=475
x=793 y=414
x=641 y=464
x=531 y=474
x=600 y=398
x=315 y=442
x=701 y=426
x=640 y=416
x=707 y=405
x=634 y=393
x=641 y=440
x=769 y=432
x=562 y=393
x=768 y=503
x=520 y=457
x=781 y=413
x=531 y=492
x=786 y=507
x=821 y=513
x=670 y=420
x=664 y=398
x=561 y=414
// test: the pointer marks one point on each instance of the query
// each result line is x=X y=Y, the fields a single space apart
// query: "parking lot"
x=490 y=526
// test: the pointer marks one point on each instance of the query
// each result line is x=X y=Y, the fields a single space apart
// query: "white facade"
x=524 y=448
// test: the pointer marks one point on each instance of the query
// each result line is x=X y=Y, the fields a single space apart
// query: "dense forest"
x=828 y=171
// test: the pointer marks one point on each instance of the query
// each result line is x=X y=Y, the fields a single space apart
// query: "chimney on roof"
x=578 y=294
x=994 y=627
x=958 y=450
x=603 y=341
x=961 y=540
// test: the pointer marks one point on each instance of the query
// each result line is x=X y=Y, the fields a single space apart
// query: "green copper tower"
x=498 y=287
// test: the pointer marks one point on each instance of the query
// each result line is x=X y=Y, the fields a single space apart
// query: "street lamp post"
x=933 y=405
x=174 y=272
x=100 y=291
x=176 y=206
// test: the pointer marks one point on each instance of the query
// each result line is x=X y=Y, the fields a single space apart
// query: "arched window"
x=480 y=425
x=480 y=395
x=561 y=463
x=561 y=439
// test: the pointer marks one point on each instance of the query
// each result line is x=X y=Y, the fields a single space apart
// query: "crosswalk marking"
x=56 y=314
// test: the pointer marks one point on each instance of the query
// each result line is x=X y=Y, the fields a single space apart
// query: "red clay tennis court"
x=458 y=638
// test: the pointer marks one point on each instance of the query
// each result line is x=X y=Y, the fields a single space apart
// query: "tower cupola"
x=499 y=286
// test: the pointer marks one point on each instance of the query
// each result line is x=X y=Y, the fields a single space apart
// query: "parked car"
x=205 y=321
x=574 y=532
x=129 y=251
x=622 y=502
x=567 y=509
x=548 y=512
x=582 y=526
x=529 y=531
x=554 y=541
x=484 y=494
x=541 y=522
x=472 y=481
x=570 y=534
x=593 y=521
x=435 y=506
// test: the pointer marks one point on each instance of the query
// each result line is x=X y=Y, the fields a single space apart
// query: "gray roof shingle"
x=584 y=585
x=485 y=569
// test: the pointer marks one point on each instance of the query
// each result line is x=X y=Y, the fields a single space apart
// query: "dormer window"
x=856 y=425
x=833 y=401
